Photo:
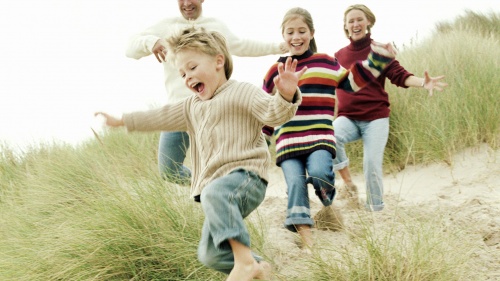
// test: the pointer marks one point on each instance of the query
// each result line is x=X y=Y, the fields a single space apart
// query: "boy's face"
x=202 y=73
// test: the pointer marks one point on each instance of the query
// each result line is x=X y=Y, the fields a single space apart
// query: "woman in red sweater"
x=365 y=114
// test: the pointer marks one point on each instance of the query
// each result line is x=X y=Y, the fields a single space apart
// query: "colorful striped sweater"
x=311 y=128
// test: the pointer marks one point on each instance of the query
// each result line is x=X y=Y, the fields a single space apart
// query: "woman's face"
x=356 y=24
x=297 y=35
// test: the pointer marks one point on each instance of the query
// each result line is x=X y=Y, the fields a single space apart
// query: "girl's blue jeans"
x=171 y=155
x=374 y=135
x=316 y=169
x=226 y=201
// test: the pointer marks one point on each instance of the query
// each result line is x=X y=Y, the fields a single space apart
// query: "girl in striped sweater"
x=305 y=145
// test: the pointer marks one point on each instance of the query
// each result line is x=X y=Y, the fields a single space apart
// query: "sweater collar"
x=305 y=55
x=224 y=86
x=200 y=18
x=360 y=44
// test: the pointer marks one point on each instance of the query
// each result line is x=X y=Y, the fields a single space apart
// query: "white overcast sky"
x=62 y=60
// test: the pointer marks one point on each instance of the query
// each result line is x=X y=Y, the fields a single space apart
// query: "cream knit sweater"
x=141 y=44
x=225 y=132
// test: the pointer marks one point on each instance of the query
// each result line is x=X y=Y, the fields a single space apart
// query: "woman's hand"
x=385 y=49
x=431 y=83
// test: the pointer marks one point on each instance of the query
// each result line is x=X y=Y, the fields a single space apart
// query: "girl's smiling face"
x=202 y=73
x=356 y=24
x=297 y=35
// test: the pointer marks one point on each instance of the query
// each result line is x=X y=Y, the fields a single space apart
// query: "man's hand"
x=287 y=80
x=160 y=50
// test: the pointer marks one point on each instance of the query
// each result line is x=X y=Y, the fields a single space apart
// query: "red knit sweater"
x=371 y=102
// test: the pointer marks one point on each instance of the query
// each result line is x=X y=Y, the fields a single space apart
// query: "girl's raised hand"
x=287 y=79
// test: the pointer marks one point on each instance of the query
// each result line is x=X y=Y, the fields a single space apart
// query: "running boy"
x=224 y=119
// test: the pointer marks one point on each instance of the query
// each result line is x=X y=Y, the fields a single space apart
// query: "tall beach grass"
x=100 y=211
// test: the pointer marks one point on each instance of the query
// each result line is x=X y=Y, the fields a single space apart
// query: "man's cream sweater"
x=225 y=132
x=141 y=45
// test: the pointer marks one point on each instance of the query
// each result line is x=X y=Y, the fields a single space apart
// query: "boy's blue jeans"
x=374 y=135
x=171 y=155
x=315 y=168
x=226 y=201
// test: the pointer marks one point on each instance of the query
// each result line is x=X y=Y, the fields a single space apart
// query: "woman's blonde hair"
x=368 y=13
x=297 y=12
x=211 y=43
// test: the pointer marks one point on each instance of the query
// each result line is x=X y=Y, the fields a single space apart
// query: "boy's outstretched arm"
x=287 y=79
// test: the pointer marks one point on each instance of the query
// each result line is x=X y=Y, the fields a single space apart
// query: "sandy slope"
x=466 y=193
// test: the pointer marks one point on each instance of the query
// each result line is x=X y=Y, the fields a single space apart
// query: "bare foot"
x=352 y=197
x=264 y=271
x=259 y=271
x=305 y=234
x=349 y=191
x=353 y=203
x=329 y=218
x=306 y=251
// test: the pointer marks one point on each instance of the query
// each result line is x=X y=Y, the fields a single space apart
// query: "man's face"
x=190 y=9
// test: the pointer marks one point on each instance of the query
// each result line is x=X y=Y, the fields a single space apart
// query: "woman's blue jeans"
x=316 y=169
x=226 y=201
x=171 y=155
x=374 y=135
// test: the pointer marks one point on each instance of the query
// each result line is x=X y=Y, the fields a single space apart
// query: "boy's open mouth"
x=199 y=87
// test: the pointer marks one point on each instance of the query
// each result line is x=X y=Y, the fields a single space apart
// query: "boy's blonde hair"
x=211 y=43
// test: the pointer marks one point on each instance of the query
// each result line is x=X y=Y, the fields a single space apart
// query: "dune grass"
x=409 y=247
x=97 y=212
x=100 y=211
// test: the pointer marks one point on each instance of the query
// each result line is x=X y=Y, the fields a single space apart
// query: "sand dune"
x=466 y=193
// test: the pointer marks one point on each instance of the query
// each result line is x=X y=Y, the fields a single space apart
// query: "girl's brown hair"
x=306 y=16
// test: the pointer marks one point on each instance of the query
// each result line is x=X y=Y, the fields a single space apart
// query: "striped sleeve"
x=362 y=72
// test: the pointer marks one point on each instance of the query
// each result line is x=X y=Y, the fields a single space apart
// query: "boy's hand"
x=110 y=120
x=287 y=80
